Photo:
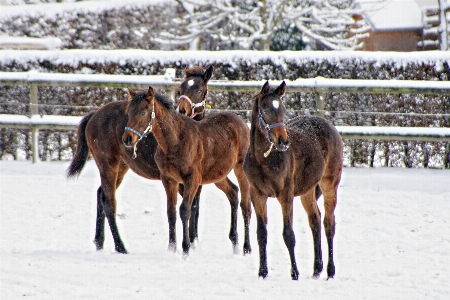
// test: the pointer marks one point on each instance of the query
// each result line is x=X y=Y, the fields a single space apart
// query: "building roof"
x=394 y=15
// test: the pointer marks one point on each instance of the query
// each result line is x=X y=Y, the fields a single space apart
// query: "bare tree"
x=251 y=24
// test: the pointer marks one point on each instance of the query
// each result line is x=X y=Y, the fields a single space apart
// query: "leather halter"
x=194 y=105
x=146 y=131
x=266 y=126
x=263 y=124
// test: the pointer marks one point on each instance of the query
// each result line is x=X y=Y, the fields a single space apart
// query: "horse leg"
x=309 y=203
x=108 y=201
x=245 y=205
x=259 y=202
x=171 y=191
x=195 y=211
x=231 y=191
x=288 y=233
x=100 y=220
x=330 y=200
x=193 y=222
x=190 y=189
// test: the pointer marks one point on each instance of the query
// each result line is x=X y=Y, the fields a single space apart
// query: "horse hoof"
x=294 y=274
x=236 y=249
x=263 y=273
x=247 y=249
x=316 y=275
x=172 y=247
x=98 y=245
x=331 y=270
x=121 y=250
x=185 y=255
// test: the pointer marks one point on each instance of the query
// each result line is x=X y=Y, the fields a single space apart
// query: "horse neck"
x=164 y=128
x=258 y=141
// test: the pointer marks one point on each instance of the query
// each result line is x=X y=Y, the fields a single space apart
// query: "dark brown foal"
x=194 y=153
x=302 y=157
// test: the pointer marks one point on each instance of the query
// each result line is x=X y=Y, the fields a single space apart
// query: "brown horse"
x=194 y=153
x=194 y=88
x=300 y=158
x=100 y=133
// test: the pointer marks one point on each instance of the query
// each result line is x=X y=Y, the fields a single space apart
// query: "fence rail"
x=317 y=85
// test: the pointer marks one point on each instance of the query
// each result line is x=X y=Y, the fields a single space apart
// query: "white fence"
x=168 y=80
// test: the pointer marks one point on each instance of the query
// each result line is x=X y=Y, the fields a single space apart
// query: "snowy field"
x=392 y=241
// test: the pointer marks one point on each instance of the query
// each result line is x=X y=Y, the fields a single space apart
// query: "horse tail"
x=82 y=153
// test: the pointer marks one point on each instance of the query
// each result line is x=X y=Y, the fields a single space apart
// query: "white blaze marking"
x=191 y=82
x=276 y=104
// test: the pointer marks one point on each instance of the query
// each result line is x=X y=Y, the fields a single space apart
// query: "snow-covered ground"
x=392 y=241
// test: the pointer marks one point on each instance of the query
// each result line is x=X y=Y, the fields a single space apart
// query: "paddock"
x=392 y=240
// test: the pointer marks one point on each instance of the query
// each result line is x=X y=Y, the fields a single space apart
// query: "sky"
x=392 y=240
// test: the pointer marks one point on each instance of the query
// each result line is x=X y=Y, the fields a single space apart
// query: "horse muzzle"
x=282 y=144
x=127 y=140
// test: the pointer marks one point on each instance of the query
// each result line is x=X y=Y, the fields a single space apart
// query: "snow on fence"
x=318 y=85
x=25 y=43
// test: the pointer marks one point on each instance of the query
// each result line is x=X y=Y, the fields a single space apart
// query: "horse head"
x=140 y=112
x=193 y=91
x=271 y=113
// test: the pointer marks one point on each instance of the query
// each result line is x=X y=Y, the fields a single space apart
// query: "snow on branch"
x=328 y=22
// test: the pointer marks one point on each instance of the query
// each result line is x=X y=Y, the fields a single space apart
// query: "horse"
x=100 y=133
x=195 y=86
x=194 y=153
x=302 y=157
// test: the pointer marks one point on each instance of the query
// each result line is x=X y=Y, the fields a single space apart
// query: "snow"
x=54 y=9
x=385 y=16
x=50 y=43
x=149 y=57
x=437 y=133
x=392 y=240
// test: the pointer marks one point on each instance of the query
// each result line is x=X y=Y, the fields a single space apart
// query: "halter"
x=263 y=124
x=143 y=134
x=195 y=105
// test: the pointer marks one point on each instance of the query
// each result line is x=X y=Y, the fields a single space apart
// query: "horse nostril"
x=126 y=140
x=182 y=111
x=283 y=142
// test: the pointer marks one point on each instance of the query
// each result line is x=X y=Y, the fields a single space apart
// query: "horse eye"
x=143 y=113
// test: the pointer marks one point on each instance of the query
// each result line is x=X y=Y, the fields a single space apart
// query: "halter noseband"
x=194 y=105
x=146 y=131
x=267 y=127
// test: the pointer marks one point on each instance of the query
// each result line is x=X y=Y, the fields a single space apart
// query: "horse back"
x=226 y=140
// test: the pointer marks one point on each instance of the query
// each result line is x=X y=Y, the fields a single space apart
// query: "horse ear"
x=265 y=89
x=150 y=93
x=208 y=73
x=131 y=93
x=281 y=90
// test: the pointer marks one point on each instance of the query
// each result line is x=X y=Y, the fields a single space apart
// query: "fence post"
x=34 y=131
x=170 y=76
x=319 y=105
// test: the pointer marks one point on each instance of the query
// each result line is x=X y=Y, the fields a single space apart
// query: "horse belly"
x=216 y=168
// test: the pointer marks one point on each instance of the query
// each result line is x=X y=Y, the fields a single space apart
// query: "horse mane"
x=194 y=71
x=142 y=95
x=168 y=104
